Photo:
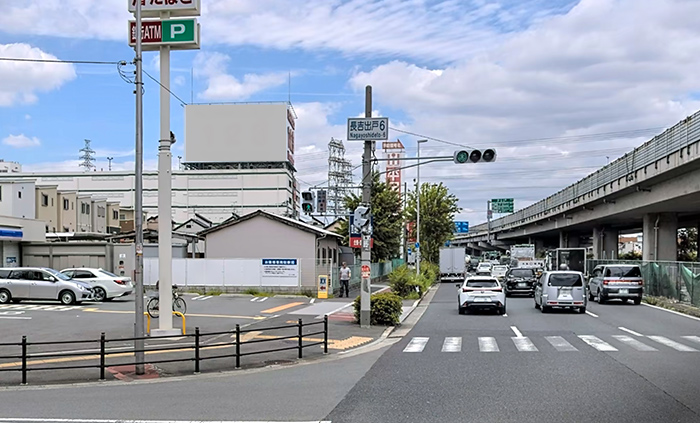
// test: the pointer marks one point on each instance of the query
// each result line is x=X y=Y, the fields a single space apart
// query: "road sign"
x=502 y=205
x=368 y=129
x=461 y=227
x=323 y=286
x=356 y=235
x=366 y=272
x=417 y=245
x=153 y=8
x=447 y=243
x=179 y=34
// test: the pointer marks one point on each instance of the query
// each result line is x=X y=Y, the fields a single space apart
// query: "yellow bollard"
x=148 y=323
x=177 y=313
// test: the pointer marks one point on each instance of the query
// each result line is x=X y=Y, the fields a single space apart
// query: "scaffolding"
x=339 y=177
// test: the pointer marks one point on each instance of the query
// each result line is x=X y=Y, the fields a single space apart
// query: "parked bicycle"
x=179 y=304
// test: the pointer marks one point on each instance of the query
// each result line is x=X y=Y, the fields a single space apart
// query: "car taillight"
x=606 y=281
x=640 y=282
x=120 y=282
x=496 y=289
x=465 y=290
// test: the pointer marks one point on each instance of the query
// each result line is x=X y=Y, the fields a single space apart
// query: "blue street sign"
x=461 y=227
x=447 y=243
x=410 y=250
x=417 y=245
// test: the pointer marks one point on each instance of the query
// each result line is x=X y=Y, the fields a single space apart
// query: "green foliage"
x=405 y=283
x=386 y=212
x=687 y=244
x=385 y=308
x=437 y=210
x=632 y=255
x=430 y=272
x=257 y=293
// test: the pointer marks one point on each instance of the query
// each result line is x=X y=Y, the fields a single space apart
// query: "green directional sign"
x=502 y=205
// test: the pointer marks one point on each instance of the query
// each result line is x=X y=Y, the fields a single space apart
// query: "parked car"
x=499 y=272
x=41 y=283
x=107 y=285
x=616 y=281
x=520 y=280
x=561 y=289
x=484 y=269
x=484 y=293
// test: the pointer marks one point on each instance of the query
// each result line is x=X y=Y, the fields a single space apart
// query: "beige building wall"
x=46 y=204
x=83 y=207
x=67 y=214
x=99 y=216
x=113 y=217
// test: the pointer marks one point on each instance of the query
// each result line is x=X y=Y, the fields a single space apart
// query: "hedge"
x=385 y=309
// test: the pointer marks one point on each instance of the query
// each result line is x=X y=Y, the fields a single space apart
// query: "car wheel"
x=100 y=294
x=637 y=301
x=16 y=300
x=5 y=296
x=66 y=297
x=590 y=295
x=544 y=308
x=601 y=300
x=582 y=310
x=537 y=306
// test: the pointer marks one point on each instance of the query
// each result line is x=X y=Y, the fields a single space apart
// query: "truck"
x=452 y=264
x=521 y=253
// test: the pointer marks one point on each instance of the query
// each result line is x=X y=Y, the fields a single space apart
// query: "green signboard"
x=179 y=31
x=502 y=205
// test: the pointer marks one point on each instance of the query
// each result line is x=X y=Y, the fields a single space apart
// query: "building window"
x=65 y=204
x=188 y=226
x=0 y=193
x=52 y=205
x=122 y=217
x=87 y=208
x=71 y=205
x=115 y=215
x=19 y=194
x=47 y=228
x=44 y=200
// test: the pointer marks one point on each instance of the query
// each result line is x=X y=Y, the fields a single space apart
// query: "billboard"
x=394 y=152
x=239 y=133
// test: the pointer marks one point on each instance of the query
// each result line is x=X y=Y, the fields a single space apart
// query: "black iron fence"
x=98 y=357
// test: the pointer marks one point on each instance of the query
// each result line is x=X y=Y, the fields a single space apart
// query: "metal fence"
x=672 y=279
x=378 y=271
x=676 y=138
x=99 y=357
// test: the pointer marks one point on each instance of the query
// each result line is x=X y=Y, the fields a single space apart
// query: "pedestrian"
x=345 y=275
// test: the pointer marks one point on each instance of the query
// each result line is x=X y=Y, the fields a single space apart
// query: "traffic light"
x=321 y=202
x=307 y=202
x=362 y=220
x=475 y=156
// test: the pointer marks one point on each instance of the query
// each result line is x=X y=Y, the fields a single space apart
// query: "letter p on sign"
x=177 y=29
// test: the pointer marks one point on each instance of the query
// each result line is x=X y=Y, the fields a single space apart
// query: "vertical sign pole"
x=418 y=192
x=488 y=218
x=138 y=201
x=366 y=256
x=165 y=249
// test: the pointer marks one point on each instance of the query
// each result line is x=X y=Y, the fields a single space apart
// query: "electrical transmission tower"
x=87 y=157
x=339 y=177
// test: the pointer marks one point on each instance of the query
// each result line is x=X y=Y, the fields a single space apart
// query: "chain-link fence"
x=378 y=271
x=672 y=279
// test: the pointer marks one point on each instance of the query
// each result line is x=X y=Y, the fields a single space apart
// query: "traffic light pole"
x=366 y=255
x=488 y=218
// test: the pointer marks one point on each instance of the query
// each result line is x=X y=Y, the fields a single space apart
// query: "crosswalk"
x=38 y=307
x=609 y=343
x=202 y=297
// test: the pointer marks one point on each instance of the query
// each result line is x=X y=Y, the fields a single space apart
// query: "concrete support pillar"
x=539 y=245
x=660 y=241
x=569 y=240
x=563 y=239
x=606 y=243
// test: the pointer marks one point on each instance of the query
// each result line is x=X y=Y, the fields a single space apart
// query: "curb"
x=402 y=329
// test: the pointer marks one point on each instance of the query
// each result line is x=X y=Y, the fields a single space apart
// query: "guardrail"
x=175 y=313
x=100 y=355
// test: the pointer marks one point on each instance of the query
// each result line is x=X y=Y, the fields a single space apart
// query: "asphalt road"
x=622 y=366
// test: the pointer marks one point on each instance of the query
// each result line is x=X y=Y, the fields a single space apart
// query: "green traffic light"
x=462 y=157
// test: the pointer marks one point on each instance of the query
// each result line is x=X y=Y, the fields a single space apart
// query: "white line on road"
x=560 y=344
x=488 y=344
x=692 y=338
x=639 y=346
x=204 y=298
x=516 y=332
x=672 y=344
x=524 y=344
x=197 y=297
x=15 y=318
x=320 y=316
x=591 y=314
x=504 y=315
x=630 y=331
x=263 y=299
x=417 y=344
x=313 y=300
x=254 y=299
x=452 y=344
x=597 y=343
x=671 y=311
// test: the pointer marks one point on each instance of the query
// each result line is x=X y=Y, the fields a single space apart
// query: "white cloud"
x=21 y=141
x=222 y=86
x=21 y=81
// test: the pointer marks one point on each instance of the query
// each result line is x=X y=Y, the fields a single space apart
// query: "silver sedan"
x=41 y=283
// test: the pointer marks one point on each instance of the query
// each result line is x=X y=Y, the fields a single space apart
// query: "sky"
x=558 y=87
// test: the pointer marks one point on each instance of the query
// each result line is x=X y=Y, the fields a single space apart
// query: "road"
x=620 y=363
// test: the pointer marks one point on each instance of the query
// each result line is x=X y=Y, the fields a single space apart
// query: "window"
x=19 y=194
x=122 y=216
x=522 y=273
x=623 y=272
x=44 y=200
x=482 y=283
x=0 y=193
x=71 y=205
x=115 y=215
x=52 y=202
x=87 y=208
x=82 y=208
x=188 y=226
x=83 y=274
x=570 y=279
x=65 y=204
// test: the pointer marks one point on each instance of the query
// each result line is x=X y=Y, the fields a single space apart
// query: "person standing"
x=345 y=275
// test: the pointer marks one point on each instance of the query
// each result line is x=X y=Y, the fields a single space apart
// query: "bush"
x=401 y=281
x=430 y=272
x=385 y=309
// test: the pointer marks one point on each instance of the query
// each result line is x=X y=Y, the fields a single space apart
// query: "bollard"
x=238 y=346
x=24 y=360
x=325 y=334
x=301 y=346
x=196 y=350
x=102 y=356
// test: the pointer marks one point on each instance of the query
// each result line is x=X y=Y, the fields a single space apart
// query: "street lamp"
x=418 y=193
x=109 y=159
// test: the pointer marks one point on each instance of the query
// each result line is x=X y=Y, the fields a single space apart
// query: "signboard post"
x=368 y=129
x=323 y=287
x=178 y=34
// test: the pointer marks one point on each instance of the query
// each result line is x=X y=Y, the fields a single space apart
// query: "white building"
x=17 y=222
x=10 y=167
x=17 y=198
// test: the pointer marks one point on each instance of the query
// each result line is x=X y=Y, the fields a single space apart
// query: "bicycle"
x=179 y=304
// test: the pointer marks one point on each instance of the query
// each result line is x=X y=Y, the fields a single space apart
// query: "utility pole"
x=138 y=202
x=366 y=255
x=418 y=194
x=488 y=218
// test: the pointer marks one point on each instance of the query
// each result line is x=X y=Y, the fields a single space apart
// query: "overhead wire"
x=75 y=62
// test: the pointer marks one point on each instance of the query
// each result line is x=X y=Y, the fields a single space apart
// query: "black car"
x=520 y=281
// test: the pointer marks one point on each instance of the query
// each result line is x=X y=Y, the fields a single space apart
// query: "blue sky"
x=480 y=73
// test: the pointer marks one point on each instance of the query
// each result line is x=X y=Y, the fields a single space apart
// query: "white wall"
x=18 y=199
x=236 y=132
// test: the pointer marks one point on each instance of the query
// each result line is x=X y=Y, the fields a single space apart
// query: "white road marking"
x=197 y=297
x=672 y=344
x=597 y=343
x=560 y=344
x=263 y=299
x=516 y=332
x=504 y=315
x=630 y=331
x=254 y=299
x=313 y=300
x=417 y=344
x=591 y=314
x=639 y=346
x=488 y=344
x=523 y=344
x=671 y=311
x=205 y=298
x=320 y=316
x=452 y=344
x=15 y=318
x=692 y=338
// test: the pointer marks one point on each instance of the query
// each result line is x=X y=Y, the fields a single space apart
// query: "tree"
x=632 y=255
x=437 y=211
x=687 y=244
x=386 y=216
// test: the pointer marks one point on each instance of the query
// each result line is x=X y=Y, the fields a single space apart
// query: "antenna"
x=87 y=157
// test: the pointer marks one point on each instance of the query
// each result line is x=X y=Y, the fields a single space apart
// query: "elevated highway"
x=654 y=189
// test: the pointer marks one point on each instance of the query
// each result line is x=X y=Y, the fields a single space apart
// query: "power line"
x=183 y=103
x=76 y=62
x=430 y=138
